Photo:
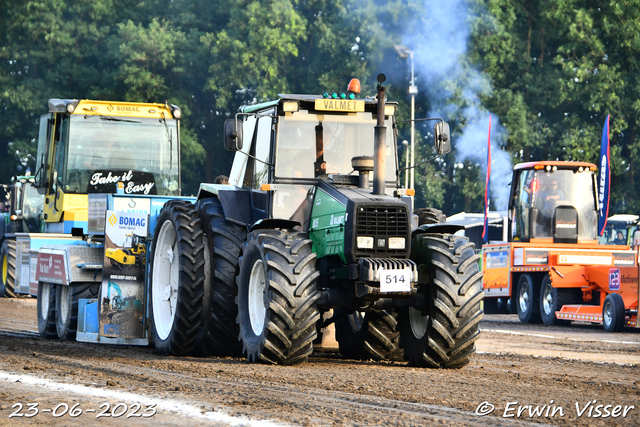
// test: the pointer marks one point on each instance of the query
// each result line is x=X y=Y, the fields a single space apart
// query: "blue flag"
x=604 y=178
x=485 y=230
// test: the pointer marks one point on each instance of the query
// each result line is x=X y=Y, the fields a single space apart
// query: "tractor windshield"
x=313 y=145
x=142 y=153
x=537 y=195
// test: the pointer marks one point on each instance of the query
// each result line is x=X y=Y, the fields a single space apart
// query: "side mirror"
x=442 y=137
x=232 y=135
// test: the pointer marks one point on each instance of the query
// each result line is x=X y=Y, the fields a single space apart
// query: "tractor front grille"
x=382 y=222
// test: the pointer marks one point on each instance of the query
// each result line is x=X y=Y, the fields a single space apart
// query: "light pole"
x=405 y=52
x=406 y=173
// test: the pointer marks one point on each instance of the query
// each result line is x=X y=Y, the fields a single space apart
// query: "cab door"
x=54 y=174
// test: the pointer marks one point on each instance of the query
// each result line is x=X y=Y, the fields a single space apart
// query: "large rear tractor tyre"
x=277 y=297
x=8 y=260
x=527 y=300
x=368 y=335
x=430 y=216
x=220 y=332
x=551 y=300
x=448 y=273
x=613 y=313
x=46 y=307
x=67 y=307
x=179 y=280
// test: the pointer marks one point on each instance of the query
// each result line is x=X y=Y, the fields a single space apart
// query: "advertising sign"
x=51 y=268
x=122 y=290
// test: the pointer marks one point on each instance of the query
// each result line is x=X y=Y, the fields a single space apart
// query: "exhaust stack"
x=379 y=152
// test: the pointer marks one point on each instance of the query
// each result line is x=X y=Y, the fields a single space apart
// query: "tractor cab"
x=88 y=147
x=553 y=200
x=23 y=206
x=293 y=143
x=620 y=230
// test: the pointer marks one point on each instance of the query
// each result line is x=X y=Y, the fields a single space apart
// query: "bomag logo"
x=113 y=219
x=132 y=222
x=110 y=108
x=127 y=109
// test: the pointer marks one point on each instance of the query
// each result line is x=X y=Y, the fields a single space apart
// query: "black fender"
x=272 y=223
x=440 y=228
x=236 y=203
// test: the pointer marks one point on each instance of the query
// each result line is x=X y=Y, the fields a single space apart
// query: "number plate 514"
x=395 y=280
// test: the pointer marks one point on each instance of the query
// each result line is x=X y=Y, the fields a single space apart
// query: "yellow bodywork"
x=127 y=256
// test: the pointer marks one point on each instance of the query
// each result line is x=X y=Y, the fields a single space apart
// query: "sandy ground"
x=522 y=375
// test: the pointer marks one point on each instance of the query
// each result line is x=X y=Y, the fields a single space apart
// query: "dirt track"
x=530 y=365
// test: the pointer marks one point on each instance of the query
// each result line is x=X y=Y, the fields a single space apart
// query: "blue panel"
x=68 y=225
x=88 y=315
x=157 y=203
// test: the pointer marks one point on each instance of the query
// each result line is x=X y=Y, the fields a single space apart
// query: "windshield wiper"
x=108 y=118
x=170 y=138
x=113 y=119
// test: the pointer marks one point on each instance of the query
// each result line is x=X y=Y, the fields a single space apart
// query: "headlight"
x=365 y=242
x=396 y=242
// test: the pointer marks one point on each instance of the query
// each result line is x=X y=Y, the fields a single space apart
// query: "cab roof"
x=558 y=164
x=299 y=97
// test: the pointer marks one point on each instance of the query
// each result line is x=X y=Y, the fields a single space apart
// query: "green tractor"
x=314 y=229
x=21 y=213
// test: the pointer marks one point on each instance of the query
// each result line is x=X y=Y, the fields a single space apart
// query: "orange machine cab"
x=553 y=270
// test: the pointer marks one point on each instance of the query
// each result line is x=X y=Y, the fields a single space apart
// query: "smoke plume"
x=439 y=41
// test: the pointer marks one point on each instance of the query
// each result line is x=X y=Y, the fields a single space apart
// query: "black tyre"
x=46 y=307
x=527 y=300
x=117 y=265
x=430 y=216
x=551 y=300
x=277 y=297
x=613 y=313
x=8 y=260
x=67 y=307
x=448 y=273
x=179 y=280
x=368 y=335
x=220 y=332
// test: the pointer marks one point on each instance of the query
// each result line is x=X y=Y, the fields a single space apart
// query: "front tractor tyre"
x=528 y=300
x=551 y=300
x=613 y=313
x=178 y=279
x=277 y=296
x=8 y=259
x=368 y=335
x=430 y=216
x=46 y=307
x=67 y=297
x=448 y=274
x=225 y=239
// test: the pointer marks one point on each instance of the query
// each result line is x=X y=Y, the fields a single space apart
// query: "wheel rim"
x=523 y=298
x=4 y=269
x=44 y=293
x=356 y=320
x=64 y=302
x=418 y=322
x=166 y=274
x=607 y=313
x=548 y=304
x=257 y=308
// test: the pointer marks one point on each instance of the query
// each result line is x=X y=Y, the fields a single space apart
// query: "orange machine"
x=552 y=269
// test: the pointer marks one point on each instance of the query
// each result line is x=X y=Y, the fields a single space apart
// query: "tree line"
x=550 y=72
